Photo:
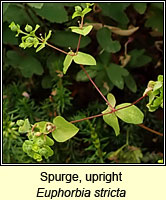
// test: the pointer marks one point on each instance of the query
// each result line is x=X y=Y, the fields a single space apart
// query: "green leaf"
x=111 y=99
x=85 y=11
x=130 y=114
x=64 y=130
x=40 y=47
x=8 y=35
x=69 y=39
x=140 y=7
x=67 y=62
x=77 y=14
x=111 y=120
x=55 y=63
x=53 y=12
x=105 y=41
x=48 y=36
x=84 y=59
x=25 y=127
x=17 y=14
x=49 y=141
x=158 y=84
x=5 y=7
x=116 y=75
x=46 y=82
x=28 y=64
x=78 y=9
x=138 y=58
x=36 y=5
x=116 y=12
x=130 y=83
x=105 y=58
x=84 y=31
x=40 y=126
x=155 y=17
x=81 y=76
x=160 y=78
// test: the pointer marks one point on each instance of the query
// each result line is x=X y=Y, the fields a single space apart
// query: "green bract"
x=64 y=130
x=24 y=126
x=83 y=31
x=81 y=13
x=67 y=62
x=112 y=120
x=130 y=114
x=44 y=42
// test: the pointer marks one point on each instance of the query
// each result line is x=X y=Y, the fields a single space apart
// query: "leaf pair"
x=82 y=31
x=79 y=58
x=130 y=114
x=81 y=13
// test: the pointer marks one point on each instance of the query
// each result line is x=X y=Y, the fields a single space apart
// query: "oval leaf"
x=67 y=62
x=112 y=120
x=64 y=130
x=130 y=114
x=84 y=59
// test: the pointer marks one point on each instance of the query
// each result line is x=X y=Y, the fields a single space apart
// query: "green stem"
x=127 y=138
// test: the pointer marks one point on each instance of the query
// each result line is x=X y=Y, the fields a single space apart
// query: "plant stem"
x=91 y=117
x=82 y=67
x=56 y=48
x=78 y=45
x=150 y=130
x=79 y=40
x=113 y=110
x=132 y=103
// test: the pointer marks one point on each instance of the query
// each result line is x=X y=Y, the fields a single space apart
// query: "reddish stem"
x=57 y=48
x=96 y=87
x=91 y=117
x=150 y=130
x=132 y=103
x=114 y=110
x=79 y=40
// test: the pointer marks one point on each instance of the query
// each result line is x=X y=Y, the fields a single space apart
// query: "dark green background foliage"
x=34 y=86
